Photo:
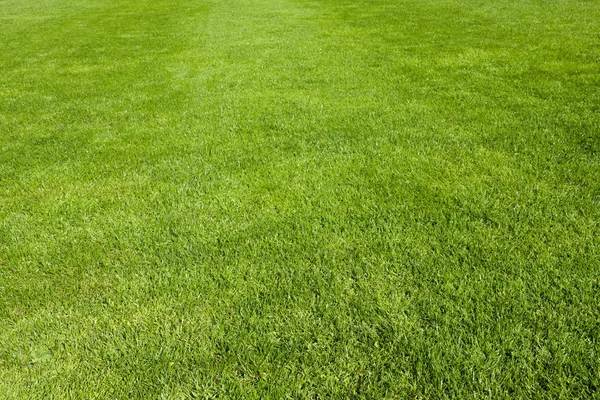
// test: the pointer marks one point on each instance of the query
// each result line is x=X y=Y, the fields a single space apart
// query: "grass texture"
x=299 y=199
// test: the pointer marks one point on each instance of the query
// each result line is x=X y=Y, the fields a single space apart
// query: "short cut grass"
x=307 y=199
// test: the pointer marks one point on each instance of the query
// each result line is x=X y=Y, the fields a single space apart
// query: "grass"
x=299 y=199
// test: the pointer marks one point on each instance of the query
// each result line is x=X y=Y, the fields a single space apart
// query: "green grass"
x=380 y=199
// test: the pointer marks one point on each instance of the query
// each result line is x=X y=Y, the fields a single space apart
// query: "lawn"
x=303 y=199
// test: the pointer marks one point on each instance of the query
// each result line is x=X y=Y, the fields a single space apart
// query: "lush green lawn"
x=299 y=199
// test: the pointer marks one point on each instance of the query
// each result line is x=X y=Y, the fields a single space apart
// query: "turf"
x=308 y=199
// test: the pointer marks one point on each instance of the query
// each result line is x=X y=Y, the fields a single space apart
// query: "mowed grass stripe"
x=274 y=199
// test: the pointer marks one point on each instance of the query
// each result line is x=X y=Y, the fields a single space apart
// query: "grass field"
x=308 y=199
